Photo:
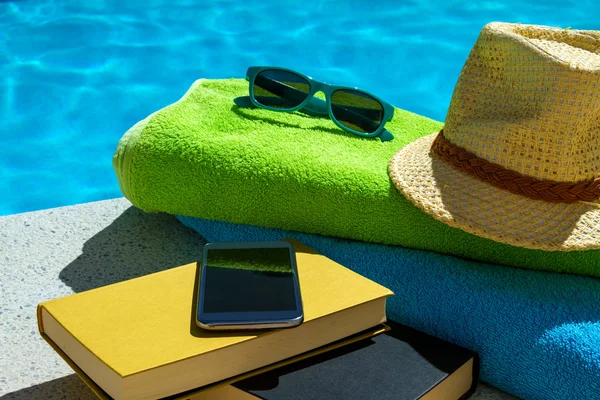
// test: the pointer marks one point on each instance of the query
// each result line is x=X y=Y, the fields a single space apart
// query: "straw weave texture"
x=526 y=100
x=497 y=175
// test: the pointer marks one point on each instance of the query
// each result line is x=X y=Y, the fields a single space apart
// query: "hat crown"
x=528 y=99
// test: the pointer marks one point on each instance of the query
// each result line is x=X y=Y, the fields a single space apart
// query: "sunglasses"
x=353 y=110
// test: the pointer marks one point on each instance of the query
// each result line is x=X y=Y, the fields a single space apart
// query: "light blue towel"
x=538 y=333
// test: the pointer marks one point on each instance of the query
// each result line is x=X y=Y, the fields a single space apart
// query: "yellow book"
x=138 y=339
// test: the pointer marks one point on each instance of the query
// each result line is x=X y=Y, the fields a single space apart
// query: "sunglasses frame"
x=319 y=106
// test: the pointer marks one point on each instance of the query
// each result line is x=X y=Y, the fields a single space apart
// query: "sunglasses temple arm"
x=386 y=135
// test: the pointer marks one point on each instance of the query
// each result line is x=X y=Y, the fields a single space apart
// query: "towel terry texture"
x=538 y=333
x=206 y=157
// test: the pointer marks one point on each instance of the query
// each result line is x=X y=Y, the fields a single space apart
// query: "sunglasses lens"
x=280 y=89
x=356 y=110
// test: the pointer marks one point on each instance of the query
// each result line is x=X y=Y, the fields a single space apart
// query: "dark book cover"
x=399 y=364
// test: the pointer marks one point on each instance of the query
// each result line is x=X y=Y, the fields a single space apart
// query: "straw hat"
x=518 y=160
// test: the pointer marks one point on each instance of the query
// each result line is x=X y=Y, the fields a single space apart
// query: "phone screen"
x=249 y=280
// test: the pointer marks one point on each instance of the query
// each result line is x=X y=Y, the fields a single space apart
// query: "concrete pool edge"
x=56 y=252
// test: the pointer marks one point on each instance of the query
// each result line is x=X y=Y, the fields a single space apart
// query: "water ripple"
x=74 y=76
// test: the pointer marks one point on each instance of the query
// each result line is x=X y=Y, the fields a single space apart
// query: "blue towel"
x=537 y=333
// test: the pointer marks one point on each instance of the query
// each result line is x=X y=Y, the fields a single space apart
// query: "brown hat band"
x=552 y=191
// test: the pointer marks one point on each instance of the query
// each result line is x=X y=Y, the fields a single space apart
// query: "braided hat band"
x=514 y=182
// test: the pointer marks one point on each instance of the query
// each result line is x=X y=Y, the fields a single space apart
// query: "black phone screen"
x=249 y=280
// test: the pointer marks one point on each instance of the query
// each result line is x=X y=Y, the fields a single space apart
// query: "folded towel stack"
x=206 y=157
x=235 y=173
x=537 y=333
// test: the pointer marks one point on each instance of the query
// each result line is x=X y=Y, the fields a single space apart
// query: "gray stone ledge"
x=56 y=252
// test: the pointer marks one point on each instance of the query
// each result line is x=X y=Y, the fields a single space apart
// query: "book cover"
x=138 y=339
x=400 y=364
x=225 y=389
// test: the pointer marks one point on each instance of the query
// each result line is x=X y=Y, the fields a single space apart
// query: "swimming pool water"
x=75 y=75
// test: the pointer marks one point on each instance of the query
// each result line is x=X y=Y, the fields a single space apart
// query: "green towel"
x=204 y=156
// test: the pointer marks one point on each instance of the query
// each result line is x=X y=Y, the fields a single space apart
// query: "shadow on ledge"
x=134 y=244
x=67 y=387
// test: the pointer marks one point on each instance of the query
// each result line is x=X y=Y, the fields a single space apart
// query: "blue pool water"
x=75 y=75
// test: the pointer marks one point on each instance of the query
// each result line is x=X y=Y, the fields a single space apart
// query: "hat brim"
x=466 y=202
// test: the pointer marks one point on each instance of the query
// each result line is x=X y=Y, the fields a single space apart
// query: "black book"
x=400 y=364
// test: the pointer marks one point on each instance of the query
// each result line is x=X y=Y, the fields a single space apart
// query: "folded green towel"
x=206 y=157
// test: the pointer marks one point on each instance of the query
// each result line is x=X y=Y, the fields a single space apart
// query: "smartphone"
x=249 y=285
